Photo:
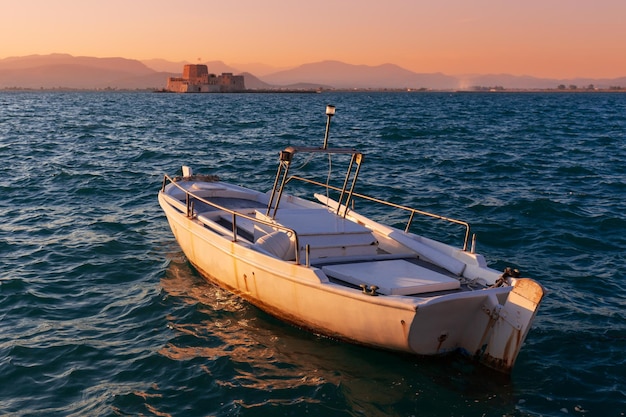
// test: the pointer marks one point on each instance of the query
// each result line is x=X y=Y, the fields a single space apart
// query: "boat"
x=321 y=265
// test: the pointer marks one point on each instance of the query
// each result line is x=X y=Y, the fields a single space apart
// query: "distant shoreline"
x=321 y=91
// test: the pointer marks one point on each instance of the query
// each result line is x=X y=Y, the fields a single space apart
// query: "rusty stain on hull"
x=289 y=318
x=245 y=281
x=529 y=289
x=405 y=330
x=442 y=338
x=278 y=313
x=529 y=295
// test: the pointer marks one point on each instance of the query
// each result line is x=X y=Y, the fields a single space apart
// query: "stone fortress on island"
x=196 y=79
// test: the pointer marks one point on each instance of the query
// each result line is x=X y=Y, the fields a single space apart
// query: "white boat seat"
x=327 y=234
x=392 y=277
x=426 y=251
x=277 y=244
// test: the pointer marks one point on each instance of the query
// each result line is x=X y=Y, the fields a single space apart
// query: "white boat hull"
x=489 y=324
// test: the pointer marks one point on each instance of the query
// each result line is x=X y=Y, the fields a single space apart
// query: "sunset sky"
x=544 y=38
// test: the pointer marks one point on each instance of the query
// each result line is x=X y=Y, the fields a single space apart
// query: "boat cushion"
x=277 y=244
x=327 y=234
x=392 y=277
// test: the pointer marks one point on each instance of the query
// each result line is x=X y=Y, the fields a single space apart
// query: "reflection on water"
x=246 y=353
x=226 y=328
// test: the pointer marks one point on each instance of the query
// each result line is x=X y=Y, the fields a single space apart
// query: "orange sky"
x=546 y=38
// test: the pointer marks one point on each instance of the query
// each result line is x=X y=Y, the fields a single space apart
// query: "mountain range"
x=81 y=72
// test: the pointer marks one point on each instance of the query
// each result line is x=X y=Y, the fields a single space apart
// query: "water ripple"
x=102 y=315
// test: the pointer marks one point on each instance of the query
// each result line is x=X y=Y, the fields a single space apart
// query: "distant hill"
x=80 y=72
x=162 y=65
x=341 y=75
x=66 y=71
x=255 y=83
x=258 y=69
x=112 y=64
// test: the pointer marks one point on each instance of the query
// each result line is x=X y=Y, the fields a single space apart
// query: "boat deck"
x=421 y=278
x=391 y=273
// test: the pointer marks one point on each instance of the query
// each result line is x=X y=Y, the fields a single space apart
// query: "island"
x=196 y=79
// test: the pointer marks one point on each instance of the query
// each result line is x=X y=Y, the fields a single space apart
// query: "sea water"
x=102 y=315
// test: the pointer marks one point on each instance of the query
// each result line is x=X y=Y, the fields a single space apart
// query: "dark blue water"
x=101 y=315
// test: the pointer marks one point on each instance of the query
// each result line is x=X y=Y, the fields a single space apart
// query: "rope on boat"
x=472 y=284
x=330 y=170
x=504 y=278
x=306 y=161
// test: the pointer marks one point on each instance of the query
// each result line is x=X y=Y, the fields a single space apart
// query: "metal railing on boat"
x=411 y=210
x=190 y=199
x=347 y=191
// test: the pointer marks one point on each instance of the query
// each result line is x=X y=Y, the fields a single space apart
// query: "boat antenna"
x=330 y=112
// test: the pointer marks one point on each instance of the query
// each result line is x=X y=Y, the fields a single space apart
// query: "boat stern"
x=508 y=325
